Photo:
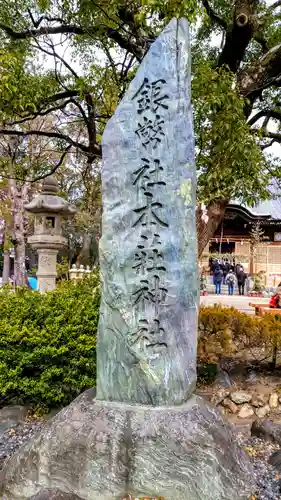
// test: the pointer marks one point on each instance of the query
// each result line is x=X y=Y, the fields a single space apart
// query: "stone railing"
x=77 y=273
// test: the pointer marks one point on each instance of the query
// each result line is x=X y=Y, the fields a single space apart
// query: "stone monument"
x=145 y=434
x=148 y=250
x=49 y=209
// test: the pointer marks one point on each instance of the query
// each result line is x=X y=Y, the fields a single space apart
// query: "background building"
x=251 y=236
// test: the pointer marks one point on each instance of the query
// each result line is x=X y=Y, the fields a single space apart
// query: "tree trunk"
x=6 y=267
x=238 y=35
x=6 y=260
x=7 y=240
x=206 y=230
x=18 y=200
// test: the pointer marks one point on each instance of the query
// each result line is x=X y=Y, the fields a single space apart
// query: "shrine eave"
x=247 y=215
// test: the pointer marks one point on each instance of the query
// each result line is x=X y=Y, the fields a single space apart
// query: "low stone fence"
x=248 y=404
x=77 y=273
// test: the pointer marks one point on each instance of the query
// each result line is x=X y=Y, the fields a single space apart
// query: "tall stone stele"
x=49 y=209
x=145 y=434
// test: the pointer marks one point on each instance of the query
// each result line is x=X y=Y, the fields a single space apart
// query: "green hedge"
x=48 y=342
x=226 y=331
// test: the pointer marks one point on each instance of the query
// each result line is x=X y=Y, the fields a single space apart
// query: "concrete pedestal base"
x=105 y=451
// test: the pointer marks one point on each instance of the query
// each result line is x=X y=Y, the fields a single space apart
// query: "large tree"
x=95 y=48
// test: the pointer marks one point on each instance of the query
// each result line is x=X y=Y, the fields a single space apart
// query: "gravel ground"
x=15 y=437
x=268 y=478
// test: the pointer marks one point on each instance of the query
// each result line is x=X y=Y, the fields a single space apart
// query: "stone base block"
x=50 y=494
x=107 y=451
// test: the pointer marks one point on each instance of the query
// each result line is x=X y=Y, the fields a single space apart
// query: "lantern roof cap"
x=48 y=201
x=50 y=185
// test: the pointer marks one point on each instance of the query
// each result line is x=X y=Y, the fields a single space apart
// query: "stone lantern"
x=49 y=209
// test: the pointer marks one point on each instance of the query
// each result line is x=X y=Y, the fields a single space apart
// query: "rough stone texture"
x=275 y=460
x=263 y=411
x=267 y=430
x=276 y=411
x=148 y=250
x=47 y=269
x=241 y=397
x=54 y=495
x=175 y=446
x=102 y=451
x=259 y=400
x=48 y=208
x=11 y=416
x=246 y=411
x=252 y=377
x=219 y=396
x=232 y=407
x=223 y=379
x=273 y=400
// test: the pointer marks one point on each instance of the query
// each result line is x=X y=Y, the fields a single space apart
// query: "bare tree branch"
x=62 y=95
x=265 y=146
x=55 y=167
x=91 y=125
x=239 y=36
x=259 y=38
x=55 y=135
x=46 y=30
x=265 y=121
x=265 y=73
x=213 y=16
x=268 y=113
x=274 y=5
x=42 y=113
x=80 y=107
x=272 y=135
x=40 y=177
x=113 y=34
x=37 y=23
x=57 y=56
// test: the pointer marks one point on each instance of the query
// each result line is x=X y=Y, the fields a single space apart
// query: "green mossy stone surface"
x=148 y=250
x=104 y=451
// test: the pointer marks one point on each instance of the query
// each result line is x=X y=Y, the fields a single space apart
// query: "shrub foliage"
x=224 y=330
x=48 y=342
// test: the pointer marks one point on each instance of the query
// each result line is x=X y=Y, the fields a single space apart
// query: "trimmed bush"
x=48 y=342
x=225 y=330
x=214 y=334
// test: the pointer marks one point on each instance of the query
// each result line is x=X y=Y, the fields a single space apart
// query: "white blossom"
x=204 y=211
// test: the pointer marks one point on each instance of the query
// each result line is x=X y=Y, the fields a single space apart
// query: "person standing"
x=238 y=268
x=230 y=281
x=215 y=264
x=241 y=279
x=218 y=277
x=225 y=270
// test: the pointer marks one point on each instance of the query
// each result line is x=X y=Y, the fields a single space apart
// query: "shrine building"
x=234 y=239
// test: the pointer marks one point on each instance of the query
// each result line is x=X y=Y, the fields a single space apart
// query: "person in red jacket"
x=275 y=301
